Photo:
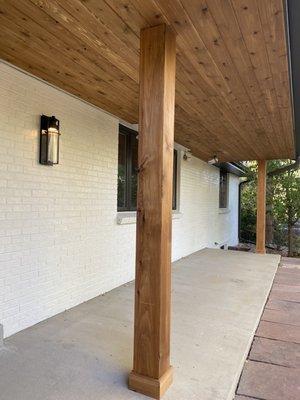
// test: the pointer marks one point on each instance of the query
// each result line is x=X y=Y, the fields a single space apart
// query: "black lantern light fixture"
x=49 y=140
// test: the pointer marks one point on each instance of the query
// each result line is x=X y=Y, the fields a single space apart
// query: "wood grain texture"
x=154 y=208
x=154 y=388
x=232 y=83
x=261 y=207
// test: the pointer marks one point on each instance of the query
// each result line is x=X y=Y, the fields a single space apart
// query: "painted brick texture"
x=60 y=243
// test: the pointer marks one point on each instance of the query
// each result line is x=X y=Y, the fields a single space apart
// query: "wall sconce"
x=187 y=156
x=213 y=161
x=49 y=140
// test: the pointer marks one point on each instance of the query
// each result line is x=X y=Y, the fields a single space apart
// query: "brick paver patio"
x=272 y=369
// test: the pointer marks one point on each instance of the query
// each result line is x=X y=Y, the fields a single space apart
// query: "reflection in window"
x=223 y=190
x=127 y=171
x=122 y=171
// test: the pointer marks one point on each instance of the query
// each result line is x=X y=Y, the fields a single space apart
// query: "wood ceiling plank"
x=73 y=16
x=126 y=8
x=272 y=20
x=191 y=135
x=189 y=42
x=49 y=55
x=228 y=100
x=249 y=21
x=208 y=19
x=61 y=38
x=192 y=142
x=36 y=39
x=11 y=56
x=215 y=129
x=261 y=131
x=211 y=139
x=235 y=104
x=22 y=55
x=112 y=22
x=157 y=16
x=187 y=136
x=129 y=14
x=227 y=120
x=205 y=25
x=206 y=74
x=224 y=17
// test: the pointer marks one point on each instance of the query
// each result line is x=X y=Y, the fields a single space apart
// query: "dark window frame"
x=175 y=181
x=130 y=137
x=223 y=189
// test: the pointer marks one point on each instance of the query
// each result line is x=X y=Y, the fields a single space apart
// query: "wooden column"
x=152 y=373
x=261 y=208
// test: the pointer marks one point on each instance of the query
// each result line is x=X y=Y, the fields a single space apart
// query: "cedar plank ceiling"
x=232 y=82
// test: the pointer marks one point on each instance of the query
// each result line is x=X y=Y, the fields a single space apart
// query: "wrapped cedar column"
x=152 y=373
x=261 y=208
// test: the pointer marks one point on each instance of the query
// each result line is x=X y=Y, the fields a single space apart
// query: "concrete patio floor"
x=86 y=353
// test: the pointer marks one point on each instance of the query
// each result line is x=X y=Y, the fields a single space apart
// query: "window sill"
x=129 y=217
x=126 y=217
x=176 y=214
x=224 y=210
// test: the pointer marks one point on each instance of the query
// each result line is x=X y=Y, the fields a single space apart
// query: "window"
x=127 y=171
x=223 y=190
x=174 y=192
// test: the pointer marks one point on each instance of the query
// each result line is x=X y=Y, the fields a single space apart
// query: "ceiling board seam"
x=58 y=37
x=267 y=54
x=212 y=60
x=230 y=122
x=236 y=129
x=22 y=71
x=237 y=19
x=240 y=77
x=104 y=46
x=42 y=56
x=119 y=16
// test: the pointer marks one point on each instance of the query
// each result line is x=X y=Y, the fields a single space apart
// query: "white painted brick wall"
x=60 y=243
x=203 y=224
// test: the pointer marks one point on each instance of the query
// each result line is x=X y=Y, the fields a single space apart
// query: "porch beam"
x=261 y=207
x=152 y=373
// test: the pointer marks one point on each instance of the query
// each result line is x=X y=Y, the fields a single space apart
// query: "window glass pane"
x=134 y=170
x=223 y=190
x=122 y=171
x=53 y=146
x=174 y=199
x=128 y=171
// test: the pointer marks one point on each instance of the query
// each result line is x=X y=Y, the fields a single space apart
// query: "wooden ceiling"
x=232 y=84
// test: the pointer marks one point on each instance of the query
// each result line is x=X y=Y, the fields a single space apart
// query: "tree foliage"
x=248 y=204
x=283 y=204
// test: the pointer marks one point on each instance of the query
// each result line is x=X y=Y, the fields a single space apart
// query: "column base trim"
x=151 y=387
x=258 y=251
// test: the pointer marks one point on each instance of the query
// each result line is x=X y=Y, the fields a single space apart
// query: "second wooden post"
x=261 y=207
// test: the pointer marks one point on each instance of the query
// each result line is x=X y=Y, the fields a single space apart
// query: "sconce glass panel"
x=49 y=140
